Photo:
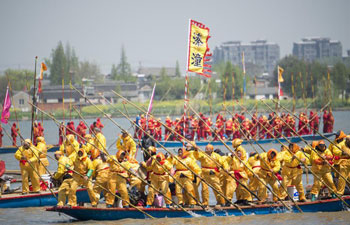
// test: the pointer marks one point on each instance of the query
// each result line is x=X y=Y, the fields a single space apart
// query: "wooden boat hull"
x=177 y=144
x=84 y=213
x=11 y=149
x=37 y=200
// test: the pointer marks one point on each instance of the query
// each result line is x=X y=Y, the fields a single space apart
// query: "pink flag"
x=5 y=115
x=151 y=102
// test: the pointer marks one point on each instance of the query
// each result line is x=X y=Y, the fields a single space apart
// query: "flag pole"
x=186 y=78
x=34 y=99
x=233 y=91
x=293 y=91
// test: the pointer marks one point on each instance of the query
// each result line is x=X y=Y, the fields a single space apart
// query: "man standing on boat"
x=27 y=156
x=341 y=154
x=270 y=166
x=42 y=151
x=321 y=168
x=64 y=171
x=210 y=171
x=126 y=143
x=81 y=130
x=118 y=176
x=185 y=176
x=159 y=176
x=292 y=171
x=101 y=173
x=83 y=170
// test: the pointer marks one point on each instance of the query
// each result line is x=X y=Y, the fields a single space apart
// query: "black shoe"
x=126 y=206
x=228 y=204
x=238 y=201
x=245 y=202
x=109 y=206
x=302 y=200
x=94 y=206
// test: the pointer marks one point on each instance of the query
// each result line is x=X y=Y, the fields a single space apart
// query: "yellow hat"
x=237 y=142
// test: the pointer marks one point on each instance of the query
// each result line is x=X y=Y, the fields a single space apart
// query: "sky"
x=154 y=32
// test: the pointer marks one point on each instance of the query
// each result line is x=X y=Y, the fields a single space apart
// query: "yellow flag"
x=42 y=69
x=280 y=73
x=198 y=49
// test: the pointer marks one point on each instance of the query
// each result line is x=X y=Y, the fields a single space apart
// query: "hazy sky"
x=155 y=32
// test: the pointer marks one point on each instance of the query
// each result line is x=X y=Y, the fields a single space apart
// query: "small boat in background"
x=17 y=200
x=89 y=213
x=294 y=139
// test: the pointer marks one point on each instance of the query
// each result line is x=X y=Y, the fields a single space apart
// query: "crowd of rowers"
x=238 y=126
x=191 y=170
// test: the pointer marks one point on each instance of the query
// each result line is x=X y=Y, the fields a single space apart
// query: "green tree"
x=123 y=70
x=339 y=77
x=58 y=65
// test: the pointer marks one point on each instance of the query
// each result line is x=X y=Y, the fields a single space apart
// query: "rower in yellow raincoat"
x=183 y=175
x=27 y=156
x=341 y=160
x=292 y=171
x=343 y=155
x=100 y=141
x=237 y=170
x=211 y=172
x=89 y=144
x=70 y=146
x=126 y=143
x=335 y=148
x=101 y=174
x=237 y=145
x=254 y=164
x=160 y=168
x=119 y=167
x=64 y=172
x=270 y=166
x=320 y=167
x=42 y=151
x=82 y=176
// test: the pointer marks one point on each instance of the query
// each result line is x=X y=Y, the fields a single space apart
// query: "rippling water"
x=40 y=216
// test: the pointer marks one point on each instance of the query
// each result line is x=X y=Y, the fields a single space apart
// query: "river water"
x=40 y=216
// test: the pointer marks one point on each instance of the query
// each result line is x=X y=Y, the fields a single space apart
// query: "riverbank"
x=176 y=107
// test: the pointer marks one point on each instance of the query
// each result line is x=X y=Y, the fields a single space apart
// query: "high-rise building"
x=310 y=49
x=260 y=52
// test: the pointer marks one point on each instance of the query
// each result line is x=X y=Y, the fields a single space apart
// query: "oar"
x=174 y=132
x=284 y=188
x=245 y=165
x=158 y=164
x=339 y=197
